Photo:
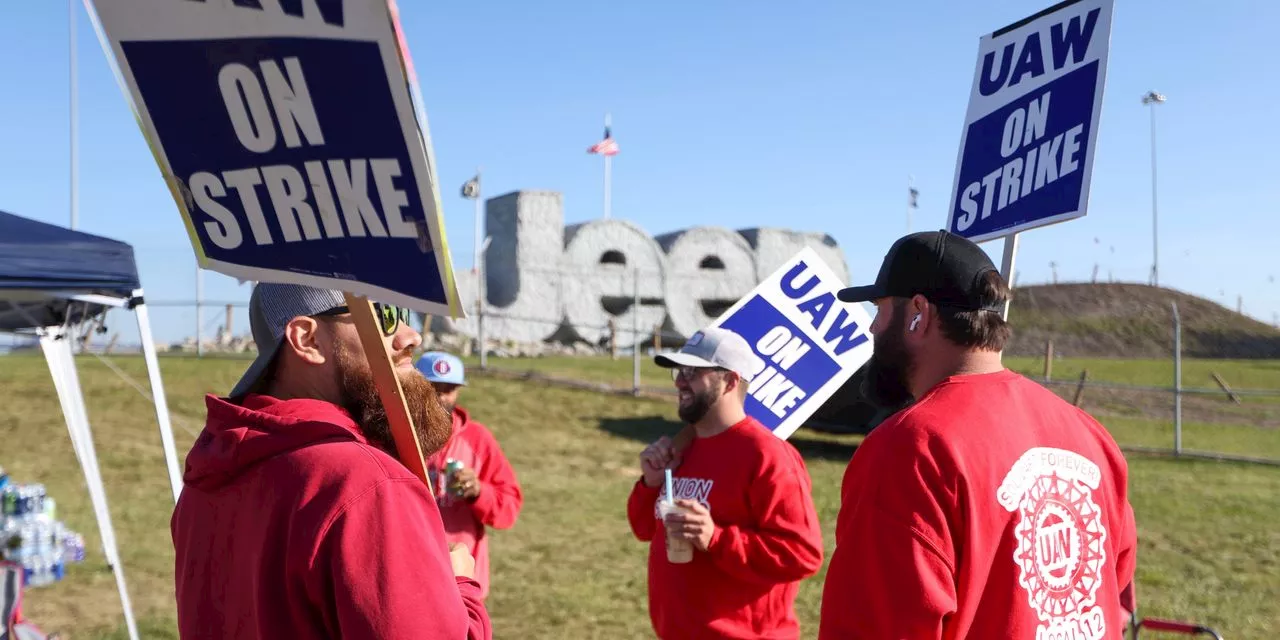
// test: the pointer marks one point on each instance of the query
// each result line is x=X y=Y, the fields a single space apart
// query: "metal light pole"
x=1153 y=98
x=1177 y=380
x=73 y=108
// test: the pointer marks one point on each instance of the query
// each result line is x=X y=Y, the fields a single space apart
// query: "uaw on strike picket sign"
x=286 y=131
x=808 y=342
x=1026 y=153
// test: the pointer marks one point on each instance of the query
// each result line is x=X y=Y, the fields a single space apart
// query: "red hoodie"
x=500 y=498
x=291 y=525
x=990 y=508
x=766 y=540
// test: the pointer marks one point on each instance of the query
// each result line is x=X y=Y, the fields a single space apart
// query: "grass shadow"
x=823 y=448
x=646 y=429
x=643 y=429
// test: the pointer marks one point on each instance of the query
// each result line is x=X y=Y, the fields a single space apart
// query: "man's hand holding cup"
x=692 y=523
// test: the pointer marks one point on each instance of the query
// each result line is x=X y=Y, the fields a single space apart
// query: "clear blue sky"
x=804 y=115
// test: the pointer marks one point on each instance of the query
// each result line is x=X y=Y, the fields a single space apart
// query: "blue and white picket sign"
x=1027 y=149
x=287 y=133
x=808 y=342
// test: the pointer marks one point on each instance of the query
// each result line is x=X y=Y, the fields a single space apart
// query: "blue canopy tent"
x=53 y=282
x=39 y=260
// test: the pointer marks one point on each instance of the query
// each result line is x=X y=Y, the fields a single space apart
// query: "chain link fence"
x=1221 y=409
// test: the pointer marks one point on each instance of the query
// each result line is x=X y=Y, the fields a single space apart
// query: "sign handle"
x=1006 y=267
x=683 y=438
x=403 y=430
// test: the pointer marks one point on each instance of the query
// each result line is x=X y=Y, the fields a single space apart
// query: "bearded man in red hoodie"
x=987 y=508
x=482 y=491
x=749 y=513
x=296 y=520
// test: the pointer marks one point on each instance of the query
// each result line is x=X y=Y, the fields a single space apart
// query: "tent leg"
x=57 y=352
x=158 y=398
x=64 y=387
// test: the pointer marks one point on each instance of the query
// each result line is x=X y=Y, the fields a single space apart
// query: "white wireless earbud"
x=914 y=321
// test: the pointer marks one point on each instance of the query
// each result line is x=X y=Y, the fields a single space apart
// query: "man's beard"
x=360 y=398
x=699 y=405
x=448 y=407
x=889 y=369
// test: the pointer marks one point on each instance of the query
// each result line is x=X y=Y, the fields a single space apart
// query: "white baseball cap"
x=714 y=347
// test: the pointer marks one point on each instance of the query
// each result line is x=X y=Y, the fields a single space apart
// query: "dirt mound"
x=1131 y=321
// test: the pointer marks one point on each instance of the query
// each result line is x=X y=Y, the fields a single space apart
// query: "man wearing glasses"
x=296 y=519
x=743 y=505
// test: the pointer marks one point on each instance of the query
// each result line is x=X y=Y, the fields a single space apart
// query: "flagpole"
x=607 y=174
x=480 y=337
x=475 y=260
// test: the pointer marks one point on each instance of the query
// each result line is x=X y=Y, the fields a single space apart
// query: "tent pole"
x=61 y=384
x=57 y=351
x=157 y=396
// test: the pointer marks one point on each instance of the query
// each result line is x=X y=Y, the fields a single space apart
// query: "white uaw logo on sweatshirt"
x=1061 y=538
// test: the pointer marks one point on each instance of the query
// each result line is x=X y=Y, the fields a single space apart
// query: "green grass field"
x=1209 y=532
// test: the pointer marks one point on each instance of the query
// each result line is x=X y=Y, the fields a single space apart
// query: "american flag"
x=607 y=147
x=471 y=190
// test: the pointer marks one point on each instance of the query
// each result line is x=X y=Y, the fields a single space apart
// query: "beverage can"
x=451 y=469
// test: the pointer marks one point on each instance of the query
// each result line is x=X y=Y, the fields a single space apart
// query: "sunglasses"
x=389 y=316
x=689 y=373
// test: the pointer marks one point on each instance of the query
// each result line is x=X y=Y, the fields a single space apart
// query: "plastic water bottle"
x=73 y=548
x=9 y=502
x=38 y=495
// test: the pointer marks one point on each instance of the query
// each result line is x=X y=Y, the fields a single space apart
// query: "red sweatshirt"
x=500 y=498
x=989 y=509
x=291 y=525
x=766 y=541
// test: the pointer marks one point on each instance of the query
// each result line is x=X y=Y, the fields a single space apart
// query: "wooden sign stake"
x=683 y=438
x=403 y=430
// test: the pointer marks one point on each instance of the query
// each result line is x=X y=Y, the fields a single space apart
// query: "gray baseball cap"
x=714 y=347
x=271 y=307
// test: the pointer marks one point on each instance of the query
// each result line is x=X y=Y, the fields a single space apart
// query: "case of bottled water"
x=31 y=536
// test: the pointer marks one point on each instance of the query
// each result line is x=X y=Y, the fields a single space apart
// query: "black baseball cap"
x=939 y=265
